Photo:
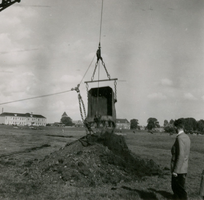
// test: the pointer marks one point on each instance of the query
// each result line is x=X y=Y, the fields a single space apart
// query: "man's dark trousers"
x=178 y=186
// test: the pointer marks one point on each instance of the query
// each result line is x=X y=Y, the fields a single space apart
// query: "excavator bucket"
x=101 y=107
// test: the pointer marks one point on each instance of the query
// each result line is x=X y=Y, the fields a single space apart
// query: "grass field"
x=20 y=146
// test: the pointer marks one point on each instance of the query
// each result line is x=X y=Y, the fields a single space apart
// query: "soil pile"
x=92 y=161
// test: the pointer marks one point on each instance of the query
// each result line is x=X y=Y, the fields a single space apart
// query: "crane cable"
x=81 y=103
x=47 y=95
x=99 y=58
x=87 y=70
x=101 y=23
x=98 y=52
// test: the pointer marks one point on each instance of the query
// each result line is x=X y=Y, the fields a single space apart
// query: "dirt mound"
x=92 y=161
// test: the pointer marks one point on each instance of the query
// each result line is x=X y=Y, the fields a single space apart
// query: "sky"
x=154 y=47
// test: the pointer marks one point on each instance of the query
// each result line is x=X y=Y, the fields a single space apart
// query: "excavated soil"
x=92 y=162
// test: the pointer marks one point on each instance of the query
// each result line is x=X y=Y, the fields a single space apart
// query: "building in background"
x=78 y=123
x=122 y=124
x=64 y=115
x=21 y=119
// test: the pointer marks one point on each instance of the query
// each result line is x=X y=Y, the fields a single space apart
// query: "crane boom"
x=6 y=3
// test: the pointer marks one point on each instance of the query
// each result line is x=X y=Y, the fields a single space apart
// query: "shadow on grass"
x=165 y=194
x=143 y=194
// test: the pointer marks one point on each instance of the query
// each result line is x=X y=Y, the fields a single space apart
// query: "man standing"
x=179 y=161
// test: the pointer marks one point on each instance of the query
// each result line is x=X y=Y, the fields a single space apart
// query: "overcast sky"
x=154 y=47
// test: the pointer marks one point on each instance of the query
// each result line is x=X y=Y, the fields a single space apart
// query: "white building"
x=122 y=124
x=20 y=119
x=78 y=123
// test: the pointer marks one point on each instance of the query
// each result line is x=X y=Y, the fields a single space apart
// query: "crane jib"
x=6 y=3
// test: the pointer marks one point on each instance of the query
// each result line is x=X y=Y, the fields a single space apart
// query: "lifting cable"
x=87 y=70
x=101 y=23
x=81 y=103
x=98 y=52
x=47 y=95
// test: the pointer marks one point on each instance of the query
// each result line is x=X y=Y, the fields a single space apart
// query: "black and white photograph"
x=101 y=99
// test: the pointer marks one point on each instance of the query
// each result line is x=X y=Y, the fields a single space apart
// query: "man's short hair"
x=179 y=123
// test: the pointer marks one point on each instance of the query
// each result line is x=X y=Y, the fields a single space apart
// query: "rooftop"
x=21 y=115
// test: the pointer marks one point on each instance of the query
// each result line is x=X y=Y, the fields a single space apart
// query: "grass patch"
x=21 y=147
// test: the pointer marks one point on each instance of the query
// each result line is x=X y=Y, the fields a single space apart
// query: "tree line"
x=190 y=125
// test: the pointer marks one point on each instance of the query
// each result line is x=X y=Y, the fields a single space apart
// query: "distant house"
x=160 y=129
x=78 y=123
x=122 y=124
x=142 y=128
x=21 y=119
